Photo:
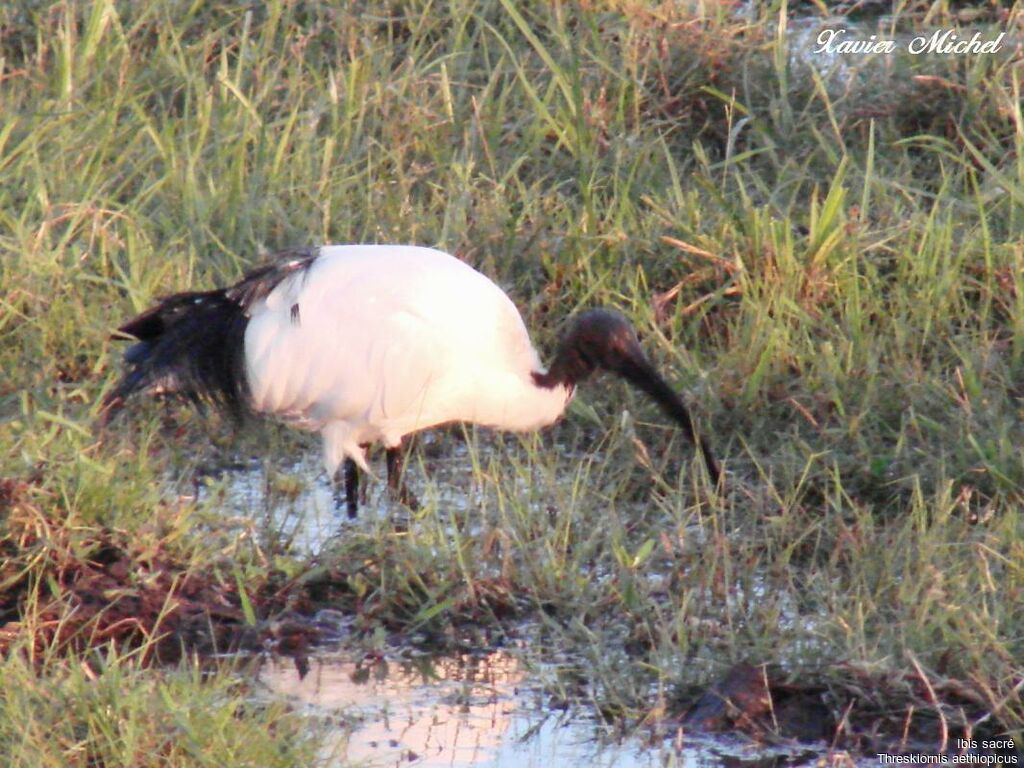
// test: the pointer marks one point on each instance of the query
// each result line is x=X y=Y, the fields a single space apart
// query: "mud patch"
x=66 y=589
x=847 y=712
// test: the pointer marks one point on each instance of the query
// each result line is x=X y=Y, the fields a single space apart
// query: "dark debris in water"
x=66 y=590
x=747 y=699
x=853 y=711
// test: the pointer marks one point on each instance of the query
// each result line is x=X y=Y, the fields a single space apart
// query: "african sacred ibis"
x=371 y=343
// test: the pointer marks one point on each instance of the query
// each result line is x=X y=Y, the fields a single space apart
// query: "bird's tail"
x=190 y=343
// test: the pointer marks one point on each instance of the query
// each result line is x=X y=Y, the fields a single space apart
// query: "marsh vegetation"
x=825 y=254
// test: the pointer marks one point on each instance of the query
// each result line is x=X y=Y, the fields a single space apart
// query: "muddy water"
x=485 y=711
x=294 y=502
x=449 y=712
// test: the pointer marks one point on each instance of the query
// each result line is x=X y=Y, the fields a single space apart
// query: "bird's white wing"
x=383 y=341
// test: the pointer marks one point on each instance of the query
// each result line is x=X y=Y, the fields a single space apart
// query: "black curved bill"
x=641 y=374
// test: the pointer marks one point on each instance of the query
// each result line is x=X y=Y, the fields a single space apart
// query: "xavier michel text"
x=940 y=41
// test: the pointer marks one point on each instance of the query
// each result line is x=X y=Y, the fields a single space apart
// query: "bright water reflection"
x=460 y=712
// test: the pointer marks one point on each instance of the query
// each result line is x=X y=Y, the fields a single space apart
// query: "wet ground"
x=492 y=707
x=490 y=710
x=492 y=703
x=294 y=502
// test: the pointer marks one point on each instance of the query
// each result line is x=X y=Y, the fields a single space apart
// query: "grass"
x=108 y=710
x=828 y=261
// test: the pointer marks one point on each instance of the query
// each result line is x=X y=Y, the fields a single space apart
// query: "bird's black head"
x=600 y=338
x=597 y=338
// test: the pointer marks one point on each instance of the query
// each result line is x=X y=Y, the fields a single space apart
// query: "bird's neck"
x=570 y=366
x=522 y=405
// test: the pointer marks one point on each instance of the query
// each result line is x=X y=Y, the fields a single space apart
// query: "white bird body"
x=370 y=343
x=373 y=343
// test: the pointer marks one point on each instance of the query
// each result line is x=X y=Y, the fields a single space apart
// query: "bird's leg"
x=396 y=480
x=350 y=473
x=351 y=487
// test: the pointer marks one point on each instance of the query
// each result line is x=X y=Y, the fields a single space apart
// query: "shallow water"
x=472 y=710
x=485 y=712
x=294 y=502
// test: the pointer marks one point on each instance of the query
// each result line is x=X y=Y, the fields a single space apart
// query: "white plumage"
x=370 y=343
x=376 y=342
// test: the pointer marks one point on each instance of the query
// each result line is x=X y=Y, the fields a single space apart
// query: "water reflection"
x=294 y=506
x=462 y=711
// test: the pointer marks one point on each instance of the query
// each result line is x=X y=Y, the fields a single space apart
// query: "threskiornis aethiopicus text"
x=371 y=343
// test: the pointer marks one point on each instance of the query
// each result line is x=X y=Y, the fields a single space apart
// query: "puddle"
x=485 y=712
x=294 y=503
x=493 y=710
x=305 y=517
